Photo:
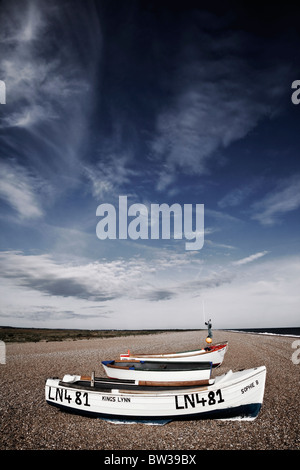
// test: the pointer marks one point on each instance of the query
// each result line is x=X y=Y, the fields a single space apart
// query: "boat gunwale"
x=193 y=352
x=223 y=383
x=153 y=366
x=138 y=388
x=170 y=391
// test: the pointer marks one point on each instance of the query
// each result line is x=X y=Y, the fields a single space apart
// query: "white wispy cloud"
x=106 y=280
x=28 y=22
x=110 y=175
x=238 y=195
x=213 y=105
x=50 y=83
x=20 y=190
x=121 y=294
x=95 y=281
x=250 y=258
x=37 y=72
x=283 y=199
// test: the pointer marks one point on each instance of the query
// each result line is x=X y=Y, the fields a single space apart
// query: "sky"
x=186 y=103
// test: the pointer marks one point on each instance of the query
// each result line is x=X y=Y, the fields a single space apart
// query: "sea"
x=292 y=332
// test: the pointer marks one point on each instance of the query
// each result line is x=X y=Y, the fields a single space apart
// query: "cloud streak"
x=214 y=104
x=250 y=259
x=283 y=199
x=94 y=281
x=109 y=280
x=108 y=292
x=239 y=195
x=50 y=85
x=20 y=190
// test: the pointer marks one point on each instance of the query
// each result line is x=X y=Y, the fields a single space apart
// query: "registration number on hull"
x=63 y=395
x=190 y=401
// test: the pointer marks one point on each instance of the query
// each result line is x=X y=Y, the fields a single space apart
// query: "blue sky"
x=164 y=102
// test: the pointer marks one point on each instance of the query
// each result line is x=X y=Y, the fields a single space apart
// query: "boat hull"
x=158 y=371
x=232 y=395
x=214 y=354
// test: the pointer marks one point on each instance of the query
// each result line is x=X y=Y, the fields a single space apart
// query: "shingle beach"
x=28 y=423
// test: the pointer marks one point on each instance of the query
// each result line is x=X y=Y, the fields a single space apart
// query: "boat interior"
x=108 y=384
x=159 y=365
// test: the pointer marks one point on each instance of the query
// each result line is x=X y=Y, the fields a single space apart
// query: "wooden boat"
x=158 y=371
x=214 y=353
x=231 y=395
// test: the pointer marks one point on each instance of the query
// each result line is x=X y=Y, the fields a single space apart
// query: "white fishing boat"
x=231 y=395
x=213 y=353
x=158 y=371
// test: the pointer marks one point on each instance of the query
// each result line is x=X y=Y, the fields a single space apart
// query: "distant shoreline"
x=293 y=332
x=12 y=334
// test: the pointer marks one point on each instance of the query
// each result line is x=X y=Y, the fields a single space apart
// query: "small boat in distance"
x=229 y=396
x=214 y=353
x=158 y=371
